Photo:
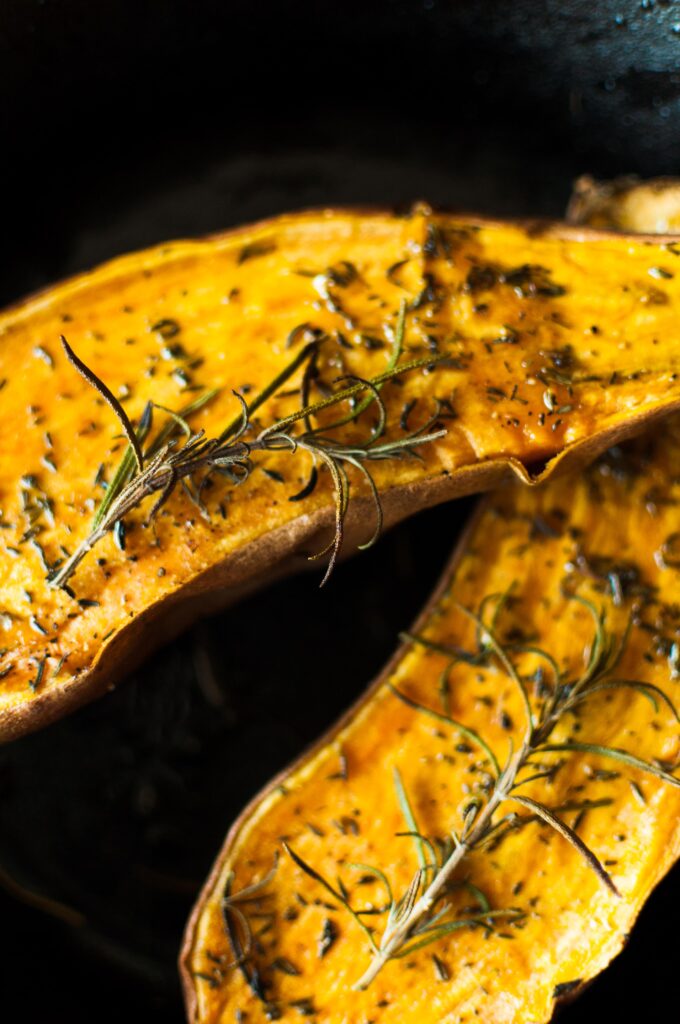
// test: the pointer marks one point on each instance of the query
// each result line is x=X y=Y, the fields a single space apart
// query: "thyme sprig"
x=179 y=455
x=423 y=914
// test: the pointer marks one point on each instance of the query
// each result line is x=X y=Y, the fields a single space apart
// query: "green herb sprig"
x=424 y=914
x=166 y=462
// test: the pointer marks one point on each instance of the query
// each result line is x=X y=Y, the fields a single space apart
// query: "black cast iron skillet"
x=125 y=123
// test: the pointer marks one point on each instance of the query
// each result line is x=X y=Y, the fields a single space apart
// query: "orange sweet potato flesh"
x=612 y=532
x=560 y=340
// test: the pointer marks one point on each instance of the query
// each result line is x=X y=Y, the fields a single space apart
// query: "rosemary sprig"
x=167 y=462
x=424 y=912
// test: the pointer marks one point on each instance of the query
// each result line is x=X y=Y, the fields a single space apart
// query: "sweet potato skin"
x=619 y=513
x=218 y=312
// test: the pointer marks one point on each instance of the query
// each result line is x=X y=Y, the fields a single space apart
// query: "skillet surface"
x=119 y=810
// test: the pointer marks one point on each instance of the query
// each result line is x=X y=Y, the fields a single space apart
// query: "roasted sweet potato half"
x=521 y=348
x=475 y=839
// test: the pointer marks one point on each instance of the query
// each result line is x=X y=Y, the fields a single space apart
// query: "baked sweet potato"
x=536 y=346
x=565 y=596
x=626 y=204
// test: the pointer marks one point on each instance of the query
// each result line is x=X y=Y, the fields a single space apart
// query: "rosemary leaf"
x=297 y=859
x=547 y=815
x=126 y=468
x=409 y=818
x=615 y=754
x=109 y=397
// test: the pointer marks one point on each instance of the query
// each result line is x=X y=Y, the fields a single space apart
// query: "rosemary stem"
x=423 y=906
x=71 y=564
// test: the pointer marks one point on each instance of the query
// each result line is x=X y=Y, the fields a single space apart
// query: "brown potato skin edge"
x=277 y=554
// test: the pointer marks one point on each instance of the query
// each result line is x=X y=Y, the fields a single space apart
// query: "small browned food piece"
x=626 y=204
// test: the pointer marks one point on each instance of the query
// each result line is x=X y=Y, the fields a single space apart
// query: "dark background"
x=125 y=123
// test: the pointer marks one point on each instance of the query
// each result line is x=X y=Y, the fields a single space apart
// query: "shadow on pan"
x=126 y=124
